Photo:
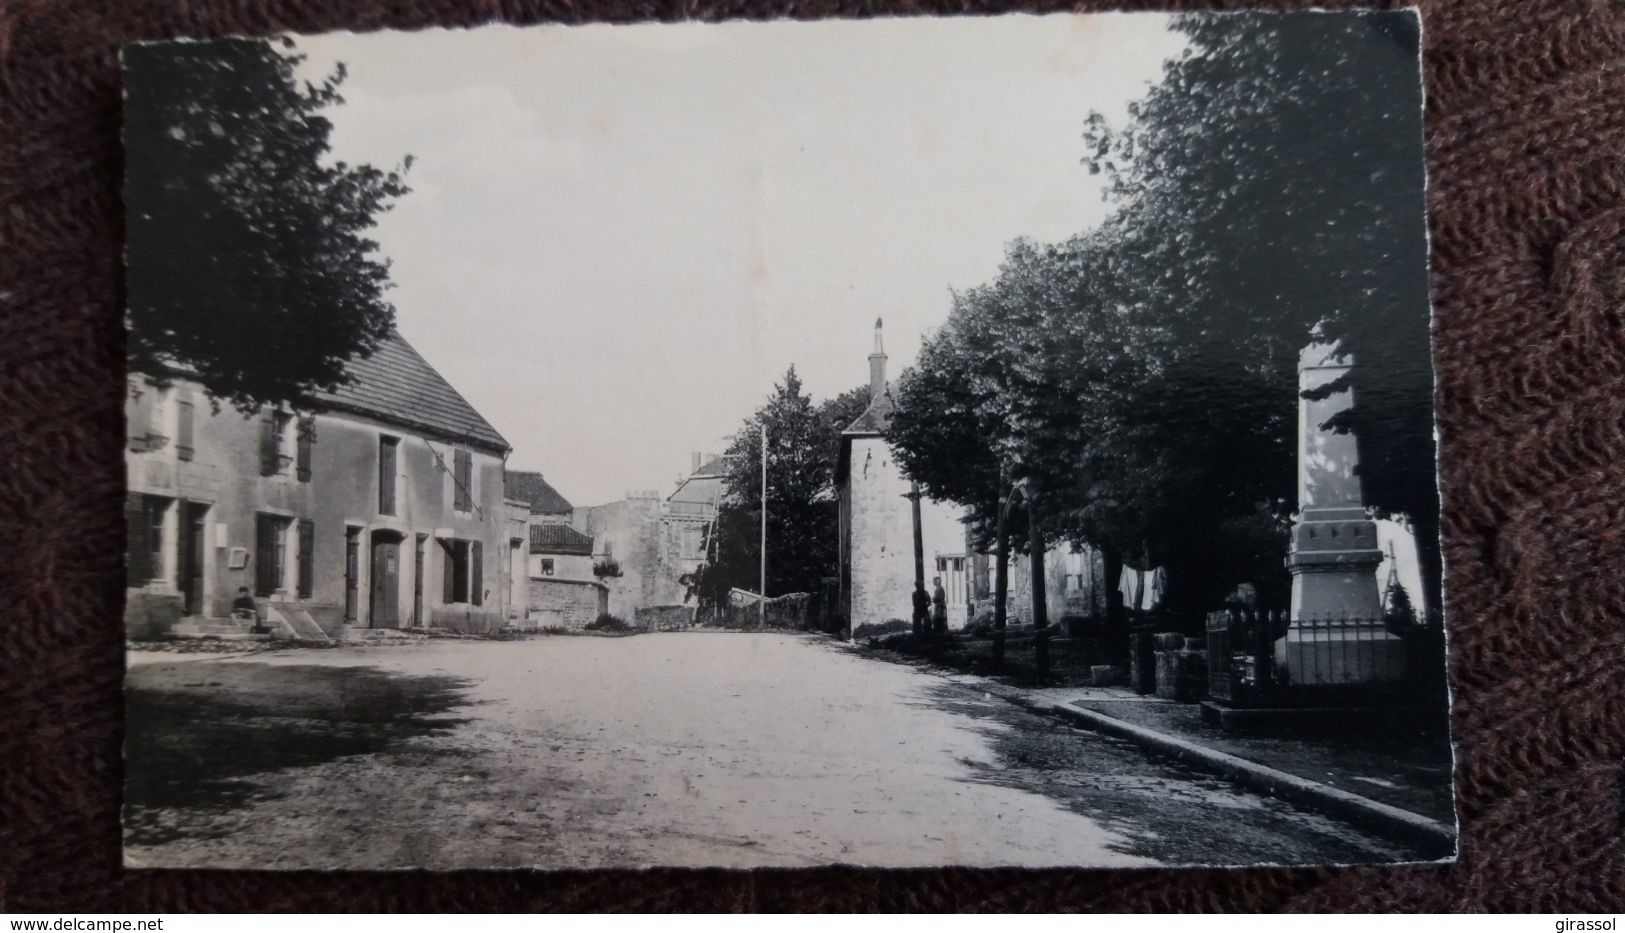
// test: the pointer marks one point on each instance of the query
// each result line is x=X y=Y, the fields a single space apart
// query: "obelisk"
x=1337 y=635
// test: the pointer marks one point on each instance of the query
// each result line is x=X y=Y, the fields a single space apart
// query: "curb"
x=1390 y=819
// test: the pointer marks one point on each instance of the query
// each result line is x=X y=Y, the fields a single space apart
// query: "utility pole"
x=920 y=627
x=762 y=603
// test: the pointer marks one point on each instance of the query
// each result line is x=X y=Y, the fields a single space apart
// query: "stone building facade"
x=876 y=523
x=384 y=509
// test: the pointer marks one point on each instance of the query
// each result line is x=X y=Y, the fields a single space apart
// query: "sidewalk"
x=1399 y=779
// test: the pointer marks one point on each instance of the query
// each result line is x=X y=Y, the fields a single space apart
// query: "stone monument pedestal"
x=1337 y=634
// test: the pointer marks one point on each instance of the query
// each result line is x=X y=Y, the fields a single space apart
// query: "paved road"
x=676 y=749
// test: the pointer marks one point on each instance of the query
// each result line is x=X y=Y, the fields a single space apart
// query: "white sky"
x=619 y=237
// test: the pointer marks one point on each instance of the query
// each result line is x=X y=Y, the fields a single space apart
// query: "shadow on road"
x=1159 y=809
x=198 y=733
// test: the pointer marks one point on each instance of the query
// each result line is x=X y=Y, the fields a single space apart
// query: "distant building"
x=564 y=591
x=689 y=514
x=653 y=543
x=876 y=524
x=384 y=509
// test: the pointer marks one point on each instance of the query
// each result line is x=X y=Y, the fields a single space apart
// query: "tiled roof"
x=397 y=385
x=716 y=466
x=531 y=488
x=559 y=539
x=876 y=418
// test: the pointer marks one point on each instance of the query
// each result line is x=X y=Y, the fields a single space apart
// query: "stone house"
x=383 y=509
x=689 y=513
x=655 y=542
x=630 y=534
x=876 y=524
x=564 y=592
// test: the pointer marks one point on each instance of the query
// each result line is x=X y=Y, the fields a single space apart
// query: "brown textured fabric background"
x=1526 y=149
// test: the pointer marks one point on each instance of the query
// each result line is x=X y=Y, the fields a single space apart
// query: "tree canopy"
x=1267 y=194
x=249 y=265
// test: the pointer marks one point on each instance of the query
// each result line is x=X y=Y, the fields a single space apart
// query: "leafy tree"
x=802 y=442
x=1055 y=375
x=249 y=264
x=1270 y=193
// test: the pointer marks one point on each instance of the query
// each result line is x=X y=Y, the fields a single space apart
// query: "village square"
x=1123 y=554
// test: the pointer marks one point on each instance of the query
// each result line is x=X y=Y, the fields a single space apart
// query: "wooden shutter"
x=307 y=557
x=183 y=426
x=138 y=569
x=268 y=439
x=307 y=438
x=138 y=414
x=477 y=573
x=462 y=478
x=448 y=589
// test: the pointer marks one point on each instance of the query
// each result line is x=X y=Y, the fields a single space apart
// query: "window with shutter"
x=448 y=564
x=268 y=442
x=183 y=427
x=306 y=438
x=387 y=447
x=307 y=557
x=459 y=583
x=138 y=414
x=476 y=585
x=462 y=476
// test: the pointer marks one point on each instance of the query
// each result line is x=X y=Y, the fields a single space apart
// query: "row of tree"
x=1139 y=382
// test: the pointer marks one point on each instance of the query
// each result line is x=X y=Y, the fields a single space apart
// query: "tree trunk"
x=1111 y=560
x=1001 y=585
x=1035 y=544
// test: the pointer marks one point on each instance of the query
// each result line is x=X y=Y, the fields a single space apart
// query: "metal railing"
x=1267 y=657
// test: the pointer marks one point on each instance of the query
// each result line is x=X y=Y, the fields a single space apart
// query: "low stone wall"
x=567 y=604
x=664 y=618
x=472 y=620
x=150 y=615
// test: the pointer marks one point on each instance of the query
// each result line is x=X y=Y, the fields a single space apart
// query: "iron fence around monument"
x=1267 y=658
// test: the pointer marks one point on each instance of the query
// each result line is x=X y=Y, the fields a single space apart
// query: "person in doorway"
x=939 y=607
x=922 y=609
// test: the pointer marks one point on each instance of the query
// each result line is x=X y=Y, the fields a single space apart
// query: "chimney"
x=695 y=462
x=877 y=367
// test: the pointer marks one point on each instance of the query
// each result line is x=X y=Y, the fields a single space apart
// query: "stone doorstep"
x=1386 y=818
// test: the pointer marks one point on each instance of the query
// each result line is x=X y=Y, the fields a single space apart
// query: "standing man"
x=922 y=610
x=939 y=607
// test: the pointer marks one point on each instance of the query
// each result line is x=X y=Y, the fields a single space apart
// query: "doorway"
x=384 y=603
x=193 y=546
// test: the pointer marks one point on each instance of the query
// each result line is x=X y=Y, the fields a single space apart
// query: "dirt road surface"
x=672 y=749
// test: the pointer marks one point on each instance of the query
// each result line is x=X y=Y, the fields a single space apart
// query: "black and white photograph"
x=912 y=442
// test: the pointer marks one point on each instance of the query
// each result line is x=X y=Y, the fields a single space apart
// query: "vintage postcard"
x=907 y=442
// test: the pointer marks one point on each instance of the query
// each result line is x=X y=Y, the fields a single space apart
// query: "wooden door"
x=190 y=563
x=386 y=583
